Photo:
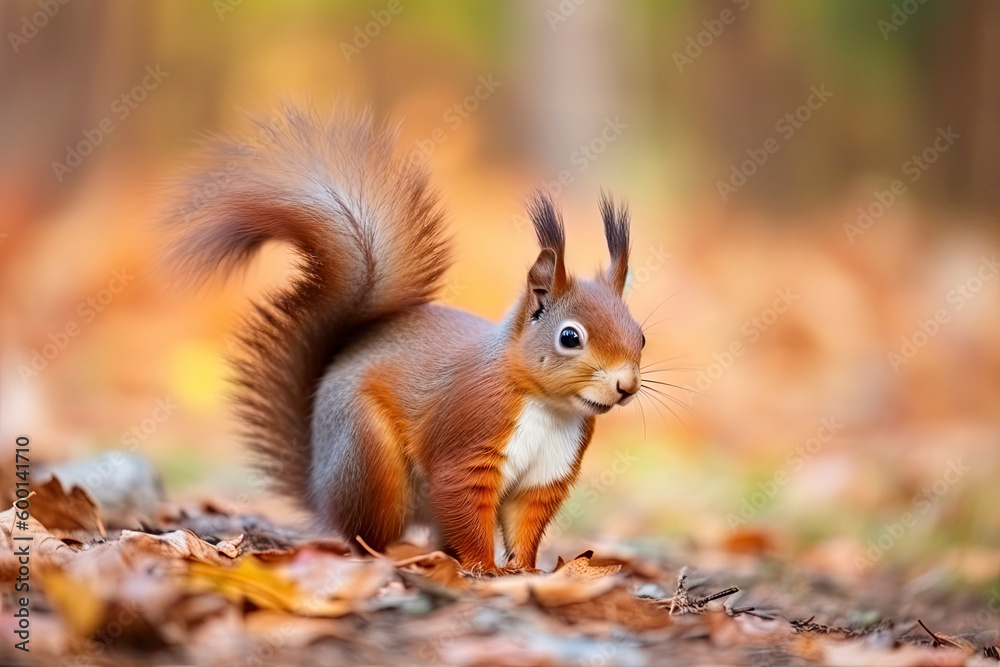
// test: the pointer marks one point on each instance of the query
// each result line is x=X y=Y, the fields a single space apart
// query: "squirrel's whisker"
x=667 y=396
x=672 y=411
x=657 y=308
x=675 y=386
x=662 y=417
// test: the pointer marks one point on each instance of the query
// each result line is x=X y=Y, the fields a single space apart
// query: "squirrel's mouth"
x=593 y=407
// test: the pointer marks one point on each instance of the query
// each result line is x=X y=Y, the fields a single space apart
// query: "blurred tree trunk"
x=981 y=179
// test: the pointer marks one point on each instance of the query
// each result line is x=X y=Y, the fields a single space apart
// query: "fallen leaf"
x=250 y=580
x=576 y=581
x=437 y=567
x=66 y=512
x=178 y=544
x=326 y=575
x=125 y=487
x=365 y=580
x=857 y=654
x=584 y=567
x=42 y=545
x=617 y=606
x=282 y=628
x=949 y=641
x=78 y=605
x=268 y=587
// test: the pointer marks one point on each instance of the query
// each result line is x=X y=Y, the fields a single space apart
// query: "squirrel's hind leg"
x=360 y=475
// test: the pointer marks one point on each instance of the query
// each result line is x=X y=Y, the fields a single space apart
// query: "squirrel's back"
x=369 y=237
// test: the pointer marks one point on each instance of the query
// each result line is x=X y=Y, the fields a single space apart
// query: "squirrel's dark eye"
x=569 y=338
x=644 y=340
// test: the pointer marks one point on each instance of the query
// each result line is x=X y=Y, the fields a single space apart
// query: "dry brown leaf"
x=120 y=584
x=327 y=575
x=223 y=640
x=857 y=654
x=100 y=601
x=78 y=605
x=493 y=651
x=576 y=581
x=520 y=587
x=125 y=486
x=48 y=639
x=436 y=566
x=264 y=586
x=620 y=607
x=949 y=641
x=43 y=544
x=315 y=549
x=808 y=647
x=290 y=630
x=66 y=512
x=185 y=612
x=270 y=587
x=446 y=572
x=178 y=544
x=726 y=630
x=365 y=580
x=585 y=567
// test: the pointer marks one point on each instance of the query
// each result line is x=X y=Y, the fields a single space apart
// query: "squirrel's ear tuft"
x=616 y=231
x=552 y=237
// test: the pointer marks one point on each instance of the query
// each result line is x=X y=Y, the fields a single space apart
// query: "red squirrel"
x=371 y=405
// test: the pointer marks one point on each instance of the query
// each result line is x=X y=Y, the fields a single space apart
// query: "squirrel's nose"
x=627 y=390
x=626 y=381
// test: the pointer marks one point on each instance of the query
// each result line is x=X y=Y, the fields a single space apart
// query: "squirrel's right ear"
x=542 y=286
x=542 y=275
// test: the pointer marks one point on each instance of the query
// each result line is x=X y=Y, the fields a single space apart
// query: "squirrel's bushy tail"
x=367 y=231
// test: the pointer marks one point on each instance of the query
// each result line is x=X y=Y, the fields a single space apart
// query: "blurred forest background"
x=795 y=227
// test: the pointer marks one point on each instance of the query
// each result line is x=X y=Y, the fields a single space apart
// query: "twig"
x=937 y=640
x=808 y=626
x=682 y=603
x=364 y=545
x=946 y=640
x=752 y=611
x=715 y=596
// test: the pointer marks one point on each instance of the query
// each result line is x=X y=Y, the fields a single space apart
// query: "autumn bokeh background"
x=764 y=286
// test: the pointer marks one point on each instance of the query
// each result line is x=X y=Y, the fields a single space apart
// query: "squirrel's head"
x=578 y=341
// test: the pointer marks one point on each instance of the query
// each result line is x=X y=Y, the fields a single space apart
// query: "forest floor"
x=200 y=586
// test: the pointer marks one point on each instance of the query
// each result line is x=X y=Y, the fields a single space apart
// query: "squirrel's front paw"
x=513 y=568
x=482 y=570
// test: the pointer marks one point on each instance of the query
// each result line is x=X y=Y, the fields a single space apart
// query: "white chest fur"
x=542 y=448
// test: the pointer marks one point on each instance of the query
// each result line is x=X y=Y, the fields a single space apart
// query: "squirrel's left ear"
x=616 y=224
x=541 y=281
